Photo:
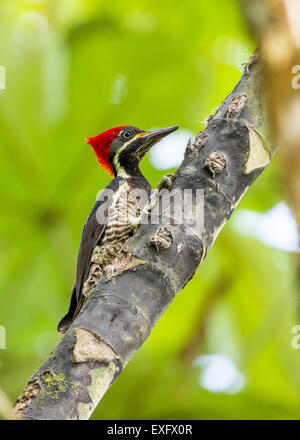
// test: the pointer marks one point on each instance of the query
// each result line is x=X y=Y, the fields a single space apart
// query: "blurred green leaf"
x=177 y=61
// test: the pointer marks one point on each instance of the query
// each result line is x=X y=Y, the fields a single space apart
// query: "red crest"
x=101 y=145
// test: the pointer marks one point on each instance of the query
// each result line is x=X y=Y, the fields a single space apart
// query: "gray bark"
x=155 y=263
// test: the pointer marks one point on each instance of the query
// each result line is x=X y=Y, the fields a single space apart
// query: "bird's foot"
x=151 y=202
x=165 y=182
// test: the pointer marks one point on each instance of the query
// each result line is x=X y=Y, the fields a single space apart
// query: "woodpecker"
x=116 y=214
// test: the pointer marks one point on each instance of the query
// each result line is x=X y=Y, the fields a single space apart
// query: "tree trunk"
x=156 y=263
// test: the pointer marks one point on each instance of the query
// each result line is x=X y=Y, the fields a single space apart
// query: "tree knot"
x=236 y=106
x=198 y=141
x=215 y=163
x=161 y=239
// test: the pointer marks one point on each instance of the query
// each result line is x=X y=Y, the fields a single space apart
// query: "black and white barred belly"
x=123 y=220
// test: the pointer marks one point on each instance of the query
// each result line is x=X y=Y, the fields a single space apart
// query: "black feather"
x=91 y=236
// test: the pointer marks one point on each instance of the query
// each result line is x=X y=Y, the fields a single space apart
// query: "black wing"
x=91 y=236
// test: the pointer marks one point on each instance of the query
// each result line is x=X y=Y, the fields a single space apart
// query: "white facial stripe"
x=120 y=170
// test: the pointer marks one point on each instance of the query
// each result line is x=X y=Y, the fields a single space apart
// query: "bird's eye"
x=127 y=134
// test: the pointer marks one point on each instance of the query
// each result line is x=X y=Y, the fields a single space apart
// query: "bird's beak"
x=147 y=140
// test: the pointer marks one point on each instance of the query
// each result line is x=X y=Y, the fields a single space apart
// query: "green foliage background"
x=178 y=60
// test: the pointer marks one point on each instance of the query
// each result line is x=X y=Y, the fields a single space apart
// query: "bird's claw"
x=151 y=202
x=165 y=182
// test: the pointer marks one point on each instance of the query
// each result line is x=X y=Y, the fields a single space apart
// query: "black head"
x=129 y=147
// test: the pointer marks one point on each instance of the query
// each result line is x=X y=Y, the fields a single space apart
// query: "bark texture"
x=276 y=25
x=155 y=264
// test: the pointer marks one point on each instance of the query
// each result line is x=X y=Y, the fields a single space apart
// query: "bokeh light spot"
x=169 y=152
x=219 y=374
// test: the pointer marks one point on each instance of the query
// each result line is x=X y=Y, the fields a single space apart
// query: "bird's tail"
x=74 y=309
x=67 y=320
x=64 y=324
